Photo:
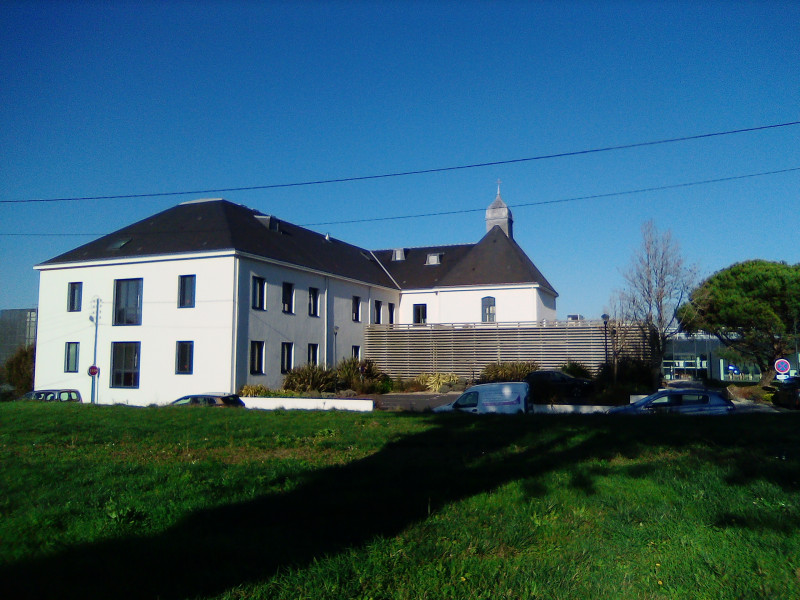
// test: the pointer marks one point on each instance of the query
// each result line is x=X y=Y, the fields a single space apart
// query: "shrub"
x=254 y=391
x=308 y=377
x=633 y=373
x=507 y=371
x=434 y=382
x=576 y=369
x=363 y=376
x=19 y=369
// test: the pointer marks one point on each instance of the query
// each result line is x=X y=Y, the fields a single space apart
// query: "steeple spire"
x=499 y=214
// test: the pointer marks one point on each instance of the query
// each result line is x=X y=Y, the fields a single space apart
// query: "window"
x=71 y=357
x=357 y=352
x=74 y=296
x=128 y=302
x=420 y=313
x=378 y=306
x=186 y=284
x=184 y=358
x=286 y=356
x=288 y=297
x=468 y=400
x=433 y=258
x=313 y=354
x=256 y=358
x=125 y=364
x=391 y=313
x=313 y=302
x=488 y=311
x=356 y=308
x=259 y=293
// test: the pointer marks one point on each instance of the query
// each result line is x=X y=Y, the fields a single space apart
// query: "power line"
x=407 y=173
x=562 y=200
x=472 y=210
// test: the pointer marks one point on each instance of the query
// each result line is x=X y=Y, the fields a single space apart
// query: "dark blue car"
x=678 y=401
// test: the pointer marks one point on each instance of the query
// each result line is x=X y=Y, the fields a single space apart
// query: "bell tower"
x=499 y=214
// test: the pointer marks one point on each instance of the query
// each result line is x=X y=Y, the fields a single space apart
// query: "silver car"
x=678 y=401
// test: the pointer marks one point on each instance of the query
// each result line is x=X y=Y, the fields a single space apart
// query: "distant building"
x=208 y=296
x=17 y=330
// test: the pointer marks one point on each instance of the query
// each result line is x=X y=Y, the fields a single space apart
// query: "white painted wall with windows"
x=512 y=303
x=207 y=323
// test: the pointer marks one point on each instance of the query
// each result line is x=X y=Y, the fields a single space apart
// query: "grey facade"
x=17 y=330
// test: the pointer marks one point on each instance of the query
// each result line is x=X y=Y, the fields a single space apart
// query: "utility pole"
x=93 y=370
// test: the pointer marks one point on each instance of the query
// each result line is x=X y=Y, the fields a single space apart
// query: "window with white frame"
x=313 y=354
x=287 y=349
x=313 y=302
x=357 y=308
x=256 y=357
x=288 y=297
x=391 y=313
x=259 y=293
x=357 y=352
x=420 y=314
x=378 y=307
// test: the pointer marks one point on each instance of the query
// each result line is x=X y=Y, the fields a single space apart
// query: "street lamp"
x=335 y=333
x=605 y=318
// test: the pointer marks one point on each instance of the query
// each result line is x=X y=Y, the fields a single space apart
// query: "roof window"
x=398 y=254
x=434 y=258
x=269 y=222
x=118 y=243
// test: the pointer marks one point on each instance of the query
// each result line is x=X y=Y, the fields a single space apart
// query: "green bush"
x=363 y=376
x=576 y=369
x=507 y=371
x=262 y=391
x=254 y=391
x=434 y=382
x=308 y=378
x=19 y=369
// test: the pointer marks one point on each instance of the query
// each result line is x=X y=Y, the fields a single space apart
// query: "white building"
x=210 y=296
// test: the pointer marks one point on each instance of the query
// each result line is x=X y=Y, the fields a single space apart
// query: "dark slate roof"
x=495 y=259
x=212 y=225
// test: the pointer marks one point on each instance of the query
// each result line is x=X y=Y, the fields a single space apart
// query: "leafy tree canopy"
x=753 y=307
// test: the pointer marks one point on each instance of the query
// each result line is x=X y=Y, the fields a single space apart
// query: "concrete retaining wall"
x=572 y=409
x=357 y=405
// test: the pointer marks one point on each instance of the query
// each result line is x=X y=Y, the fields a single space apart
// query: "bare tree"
x=657 y=282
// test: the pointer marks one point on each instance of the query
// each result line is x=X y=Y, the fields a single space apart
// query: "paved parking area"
x=416 y=402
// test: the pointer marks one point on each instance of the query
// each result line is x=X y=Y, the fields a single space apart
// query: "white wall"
x=274 y=327
x=209 y=325
x=513 y=303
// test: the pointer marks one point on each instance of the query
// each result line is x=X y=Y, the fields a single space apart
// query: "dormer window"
x=434 y=258
x=398 y=254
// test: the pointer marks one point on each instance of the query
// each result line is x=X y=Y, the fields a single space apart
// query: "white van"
x=500 y=398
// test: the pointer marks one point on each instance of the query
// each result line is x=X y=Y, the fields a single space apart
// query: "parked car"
x=501 y=398
x=53 y=396
x=787 y=393
x=231 y=400
x=547 y=383
x=689 y=401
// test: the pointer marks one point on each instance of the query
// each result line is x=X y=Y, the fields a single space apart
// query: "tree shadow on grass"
x=346 y=506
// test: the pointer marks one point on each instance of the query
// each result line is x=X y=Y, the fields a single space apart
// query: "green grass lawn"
x=120 y=502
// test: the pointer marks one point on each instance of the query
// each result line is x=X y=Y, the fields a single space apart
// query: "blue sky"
x=115 y=98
